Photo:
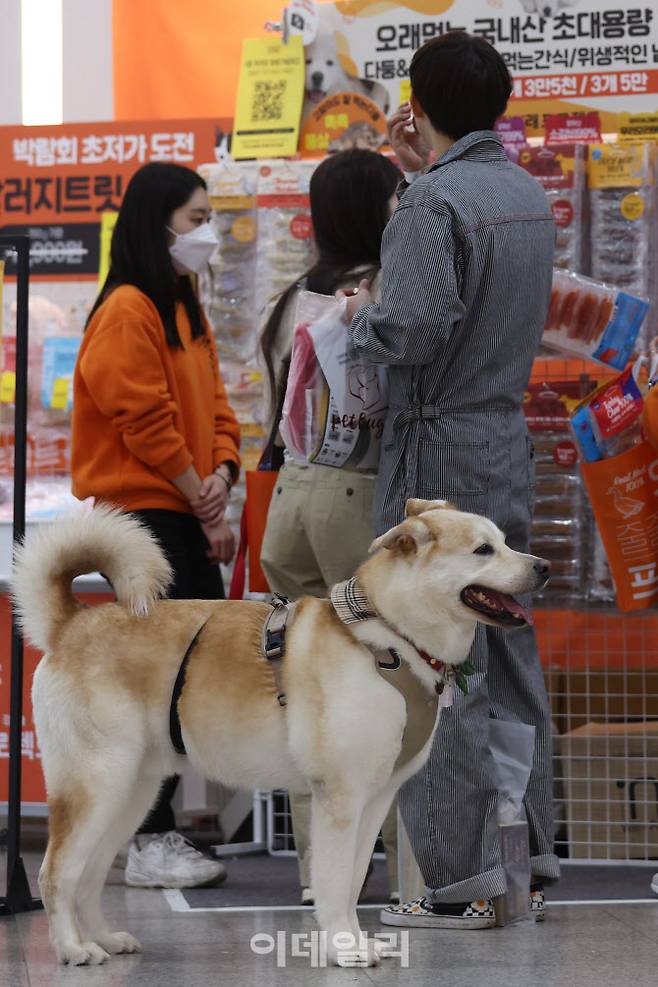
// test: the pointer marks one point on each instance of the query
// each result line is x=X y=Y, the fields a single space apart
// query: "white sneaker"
x=170 y=861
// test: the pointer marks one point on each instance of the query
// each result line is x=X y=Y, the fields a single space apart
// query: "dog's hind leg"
x=120 y=827
x=335 y=820
x=79 y=821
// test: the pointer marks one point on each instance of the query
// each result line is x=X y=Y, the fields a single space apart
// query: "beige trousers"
x=318 y=532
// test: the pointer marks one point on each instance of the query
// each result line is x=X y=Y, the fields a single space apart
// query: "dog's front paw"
x=347 y=951
x=119 y=942
x=82 y=954
x=384 y=950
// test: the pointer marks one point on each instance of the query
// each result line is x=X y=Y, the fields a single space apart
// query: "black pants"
x=195 y=578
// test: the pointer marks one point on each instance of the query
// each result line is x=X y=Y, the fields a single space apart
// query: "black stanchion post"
x=18 y=897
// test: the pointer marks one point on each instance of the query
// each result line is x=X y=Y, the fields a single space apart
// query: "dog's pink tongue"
x=511 y=605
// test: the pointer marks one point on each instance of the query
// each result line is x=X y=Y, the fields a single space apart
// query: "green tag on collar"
x=461 y=673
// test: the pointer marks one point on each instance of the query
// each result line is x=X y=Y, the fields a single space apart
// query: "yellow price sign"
x=405 y=90
x=638 y=127
x=7 y=387
x=108 y=222
x=60 y=396
x=270 y=96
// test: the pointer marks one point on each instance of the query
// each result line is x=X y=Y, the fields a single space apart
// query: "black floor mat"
x=265 y=881
x=602 y=882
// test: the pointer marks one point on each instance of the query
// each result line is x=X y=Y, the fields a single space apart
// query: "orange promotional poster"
x=57 y=182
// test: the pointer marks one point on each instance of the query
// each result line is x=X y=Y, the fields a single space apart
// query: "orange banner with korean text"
x=56 y=182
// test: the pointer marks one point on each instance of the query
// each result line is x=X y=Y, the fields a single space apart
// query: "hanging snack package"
x=229 y=285
x=620 y=470
x=561 y=524
x=592 y=321
x=285 y=231
x=336 y=400
x=561 y=171
x=622 y=215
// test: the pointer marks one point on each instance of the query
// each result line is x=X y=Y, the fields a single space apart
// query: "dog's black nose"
x=317 y=79
x=543 y=568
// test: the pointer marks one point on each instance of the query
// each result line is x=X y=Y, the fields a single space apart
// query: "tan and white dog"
x=102 y=695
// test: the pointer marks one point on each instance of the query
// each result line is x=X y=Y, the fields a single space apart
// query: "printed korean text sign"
x=57 y=182
x=624 y=495
x=564 y=56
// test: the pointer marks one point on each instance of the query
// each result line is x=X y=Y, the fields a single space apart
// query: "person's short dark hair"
x=461 y=83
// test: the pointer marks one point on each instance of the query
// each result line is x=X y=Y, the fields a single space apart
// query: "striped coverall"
x=466 y=279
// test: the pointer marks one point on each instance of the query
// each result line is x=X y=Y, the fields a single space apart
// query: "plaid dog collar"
x=350 y=602
x=352 y=606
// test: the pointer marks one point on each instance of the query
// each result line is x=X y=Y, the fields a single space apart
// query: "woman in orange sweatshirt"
x=153 y=432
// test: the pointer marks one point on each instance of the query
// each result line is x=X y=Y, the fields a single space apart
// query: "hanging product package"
x=229 y=283
x=620 y=469
x=336 y=399
x=512 y=746
x=560 y=170
x=623 y=234
x=285 y=230
x=591 y=321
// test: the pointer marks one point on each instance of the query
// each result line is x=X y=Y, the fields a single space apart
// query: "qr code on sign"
x=268 y=100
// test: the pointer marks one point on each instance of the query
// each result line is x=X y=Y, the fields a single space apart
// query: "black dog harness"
x=175 y=731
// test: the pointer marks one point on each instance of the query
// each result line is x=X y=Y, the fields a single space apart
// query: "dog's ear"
x=405 y=538
x=414 y=507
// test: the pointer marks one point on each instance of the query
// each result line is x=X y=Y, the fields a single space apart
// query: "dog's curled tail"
x=101 y=540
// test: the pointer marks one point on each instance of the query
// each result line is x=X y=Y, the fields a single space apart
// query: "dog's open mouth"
x=316 y=95
x=500 y=607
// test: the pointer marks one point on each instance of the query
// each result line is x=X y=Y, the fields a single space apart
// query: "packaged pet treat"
x=285 y=232
x=561 y=522
x=622 y=486
x=609 y=421
x=593 y=321
x=228 y=288
x=622 y=215
x=336 y=400
x=561 y=171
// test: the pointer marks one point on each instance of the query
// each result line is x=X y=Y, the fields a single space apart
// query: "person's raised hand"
x=411 y=150
x=356 y=300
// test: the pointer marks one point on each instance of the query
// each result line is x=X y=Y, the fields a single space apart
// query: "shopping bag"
x=623 y=492
x=336 y=399
x=259 y=484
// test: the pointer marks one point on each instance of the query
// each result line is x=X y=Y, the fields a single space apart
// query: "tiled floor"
x=578 y=946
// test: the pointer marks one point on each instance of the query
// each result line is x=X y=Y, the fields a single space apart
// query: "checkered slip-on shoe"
x=422 y=914
x=537 y=902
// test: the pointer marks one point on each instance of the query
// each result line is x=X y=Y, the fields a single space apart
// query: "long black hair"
x=350 y=196
x=140 y=251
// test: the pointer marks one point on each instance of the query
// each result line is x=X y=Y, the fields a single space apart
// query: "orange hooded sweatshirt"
x=144 y=411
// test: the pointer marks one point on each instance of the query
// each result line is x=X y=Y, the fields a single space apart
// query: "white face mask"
x=191 y=251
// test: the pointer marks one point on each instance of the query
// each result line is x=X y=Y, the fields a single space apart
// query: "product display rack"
x=18 y=897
